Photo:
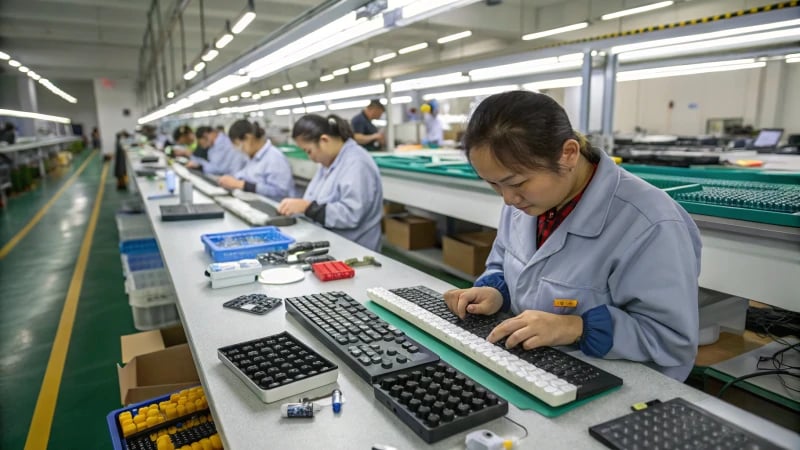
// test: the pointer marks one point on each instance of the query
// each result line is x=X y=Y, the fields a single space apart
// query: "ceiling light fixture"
x=413 y=48
x=637 y=10
x=554 y=31
x=454 y=37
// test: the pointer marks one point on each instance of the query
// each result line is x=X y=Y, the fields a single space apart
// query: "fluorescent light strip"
x=210 y=55
x=14 y=63
x=30 y=115
x=246 y=94
x=52 y=88
x=355 y=104
x=4 y=56
x=328 y=77
x=553 y=84
x=170 y=94
x=399 y=100
x=224 y=40
x=360 y=66
x=189 y=75
x=276 y=90
x=792 y=56
x=716 y=44
x=477 y=92
x=637 y=10
x=704 y=36
x=34 y=75
x=429 y=82
x=264 y=93
x=301 y=84
x=223 y=100
x=24 y=69
x=199 y=66
x=374 y=89
x=384 y=57
x=425 y=8
x=226 y=84
x=340 y=72
x=413 y=48
x=792 y=60
x=554 y=31
x=282 y=112
x=287 y=87
x=689 y=69
x=552 y=64
x=233 y=98
x=256 y=96
x=243 y=22
x=454 y=37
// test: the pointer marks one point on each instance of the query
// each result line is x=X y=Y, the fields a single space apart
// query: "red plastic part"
x=332 y=270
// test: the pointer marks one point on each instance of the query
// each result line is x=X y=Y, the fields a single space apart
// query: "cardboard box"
x=155 y=363
x=410 y=232
x=467 y=252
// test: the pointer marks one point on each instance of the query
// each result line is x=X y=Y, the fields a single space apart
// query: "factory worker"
x=184 y=140
x=345 y=194
x=221 y=158
x=267 y=171
x=586 y=254
x=434 y=131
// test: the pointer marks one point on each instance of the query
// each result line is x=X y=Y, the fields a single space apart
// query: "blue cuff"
x=498 y=281
x=598 y=332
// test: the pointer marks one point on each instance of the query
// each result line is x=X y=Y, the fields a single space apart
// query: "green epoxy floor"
x=34 y=279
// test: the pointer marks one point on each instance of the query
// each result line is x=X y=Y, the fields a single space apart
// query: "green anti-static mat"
x=504 y=389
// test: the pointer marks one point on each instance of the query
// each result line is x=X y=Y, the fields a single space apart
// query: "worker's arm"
x=364 y=139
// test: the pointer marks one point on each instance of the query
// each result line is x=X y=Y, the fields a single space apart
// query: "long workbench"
x=247 y=423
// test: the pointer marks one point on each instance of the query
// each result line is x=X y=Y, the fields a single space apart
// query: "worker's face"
x=324 y=151
x=207 y=140
x=247 y=145
x=374 y=113
x=186 y=139
x=532 y=191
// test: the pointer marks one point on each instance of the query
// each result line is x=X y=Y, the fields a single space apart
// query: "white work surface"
x=247 y=423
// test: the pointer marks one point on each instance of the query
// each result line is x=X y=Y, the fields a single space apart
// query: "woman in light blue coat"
x=345 y=194
x=586 y=254
x=267 y=171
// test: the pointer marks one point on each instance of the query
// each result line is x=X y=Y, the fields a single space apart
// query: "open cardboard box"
x=410 y=232
x=155 y=362
x=467 y=252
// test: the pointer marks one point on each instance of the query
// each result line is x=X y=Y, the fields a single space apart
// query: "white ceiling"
x=87 y=39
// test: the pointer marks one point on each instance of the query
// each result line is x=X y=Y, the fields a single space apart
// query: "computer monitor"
x=768 y=138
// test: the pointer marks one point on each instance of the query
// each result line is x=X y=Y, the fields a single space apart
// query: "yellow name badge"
x=565 y=303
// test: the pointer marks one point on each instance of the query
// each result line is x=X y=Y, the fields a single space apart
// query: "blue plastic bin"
x=137 y=246
x=117 y=439
x=144 y=261
x=243 y=244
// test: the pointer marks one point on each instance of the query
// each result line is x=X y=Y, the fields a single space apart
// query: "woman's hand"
x=229 y=182
x=535 y=329
x=477 y=300
x=291 y=206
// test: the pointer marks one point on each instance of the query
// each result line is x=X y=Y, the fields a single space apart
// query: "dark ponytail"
x=242 y=127
x=180 y=132
x=311 y=127
x=523 y=129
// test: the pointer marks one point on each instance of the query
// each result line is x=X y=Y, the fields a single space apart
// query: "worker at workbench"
x=345 y=195
x=267 y=171
x=586 y=254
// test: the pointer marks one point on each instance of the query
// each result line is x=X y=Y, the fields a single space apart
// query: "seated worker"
x=267 y=171
x=345 y=194
x=364 y=132
x=221 y=156
x=586 y=254
x=184 y=138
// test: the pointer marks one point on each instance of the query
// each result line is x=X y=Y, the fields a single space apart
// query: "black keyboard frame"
x=414 y=353
x=696 y=418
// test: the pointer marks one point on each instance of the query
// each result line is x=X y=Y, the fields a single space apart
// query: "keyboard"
x=370 y=346
x=210 y=189
x=675 y=424
x=432 y=398
x=254 y=215
x=174 y=213
x=548 y=374
x=437 y=401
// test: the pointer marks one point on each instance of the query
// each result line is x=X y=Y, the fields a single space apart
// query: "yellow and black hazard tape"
x=684 y=23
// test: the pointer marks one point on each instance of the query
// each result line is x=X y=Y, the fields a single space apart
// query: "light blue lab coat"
x=626 y=245
x=223 y=158
x=270 y=172
x=352 y=194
